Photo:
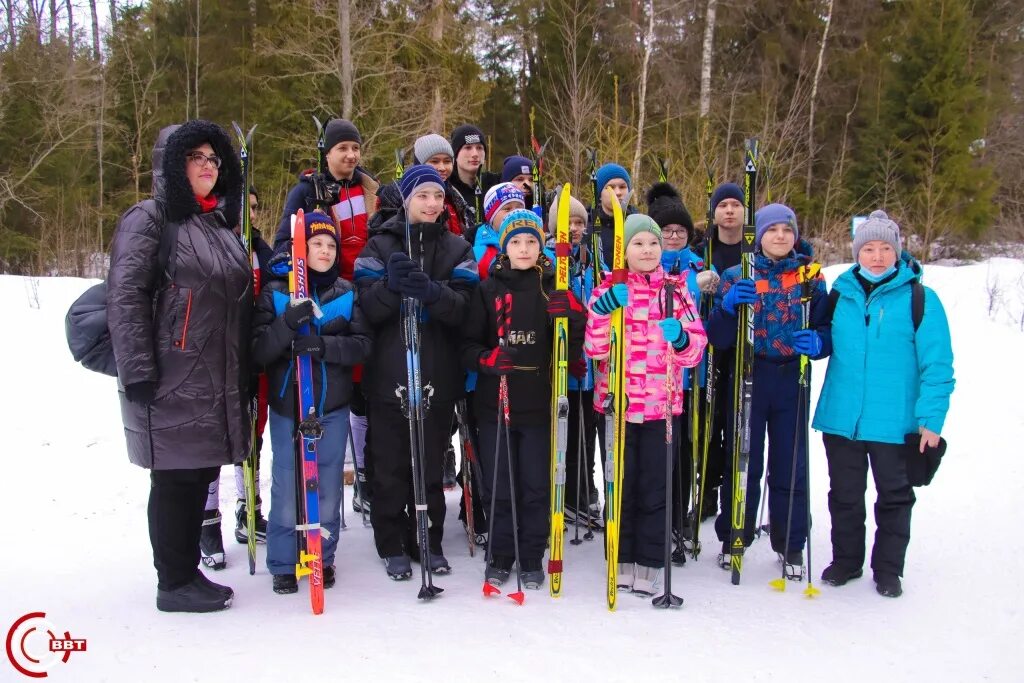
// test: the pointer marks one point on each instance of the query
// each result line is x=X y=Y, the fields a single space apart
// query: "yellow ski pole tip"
x=778 y=584
x=811 y=592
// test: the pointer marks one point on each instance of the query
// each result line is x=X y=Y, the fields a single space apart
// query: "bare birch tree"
x=814 y=96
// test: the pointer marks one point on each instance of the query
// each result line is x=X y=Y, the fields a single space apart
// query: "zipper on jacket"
x=878 y=329
x=184 y=328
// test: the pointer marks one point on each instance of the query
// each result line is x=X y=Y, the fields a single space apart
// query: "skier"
x=441 y=274
x=340 y=339
x=720 y=248
x=181 y=347
x=615 y=178
x=775 y=291
x=581 y=497
x=436 y=152
x=888 y=384
x=652 y=341
x=345 y=191
x=211 y=542
x=666 y=208
x=469 y=145
x=515 y=340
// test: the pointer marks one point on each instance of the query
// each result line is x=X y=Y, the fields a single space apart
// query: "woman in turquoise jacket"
x=890 y=375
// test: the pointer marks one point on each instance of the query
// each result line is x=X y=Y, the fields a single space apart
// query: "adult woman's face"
x=202 y=167
x=877 y=256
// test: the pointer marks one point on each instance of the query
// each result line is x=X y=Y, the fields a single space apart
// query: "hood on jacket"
x=159 y=185
x=180 y=201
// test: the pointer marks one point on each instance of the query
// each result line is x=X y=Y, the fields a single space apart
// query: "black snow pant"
x=580 y=470
x=479 y=514
x=393 y=513
x=531 y=469
x=642 y=522
x=177 y=499
x=773 y=410
x=719 y=454
x=682 y=477
x=847 y=472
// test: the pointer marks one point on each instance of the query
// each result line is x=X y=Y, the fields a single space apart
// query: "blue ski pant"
x=773 y=411
x=644 y=494
x=282 y=553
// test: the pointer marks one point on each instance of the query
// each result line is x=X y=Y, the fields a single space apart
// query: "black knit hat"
x=340 y=130
x=467 y=134
x=665 y=207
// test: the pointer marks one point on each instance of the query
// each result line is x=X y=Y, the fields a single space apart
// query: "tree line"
x=912 y=105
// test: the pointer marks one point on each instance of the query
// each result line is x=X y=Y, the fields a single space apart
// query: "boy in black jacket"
x=522 y=281
x=339 y=339
x=441 y=274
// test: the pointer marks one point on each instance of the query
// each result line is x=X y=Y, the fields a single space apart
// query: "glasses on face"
x=675 y=233
x=200 y=159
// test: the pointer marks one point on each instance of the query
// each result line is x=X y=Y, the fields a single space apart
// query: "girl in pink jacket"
x=652 y=341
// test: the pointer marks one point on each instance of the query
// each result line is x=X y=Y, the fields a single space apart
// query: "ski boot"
x=834 y=575
x=644 y=580
x=242 y=527
x=793 y=564
x=195 y=596
x=329 y=576
x=399 y=567
x=531 y=573
x=285 y=584
x=211 y=543
x=362 y=502
x=498 y=570
x=449 y=478
x=438 y=564
x=627 y=575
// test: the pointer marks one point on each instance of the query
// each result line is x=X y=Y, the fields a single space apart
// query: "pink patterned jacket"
x=646 y=348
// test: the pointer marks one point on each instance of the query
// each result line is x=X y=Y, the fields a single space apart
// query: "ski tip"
x=778 y=584
x=490 y=589
x=517 y=597
x=811 y=592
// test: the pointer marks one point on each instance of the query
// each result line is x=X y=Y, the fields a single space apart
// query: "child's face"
x=643 y=253
x=500 y=214
x=778 y=241
x=322 y=250
x=675 y=236
x=524 y=182
x=471 y=157
x=442 y=163
x=426 y=205
x=523 y=251
x=577 y=226
x=619 y=190
x=729 y=214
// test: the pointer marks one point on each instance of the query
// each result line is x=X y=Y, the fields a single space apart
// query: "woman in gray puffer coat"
x=180 y=341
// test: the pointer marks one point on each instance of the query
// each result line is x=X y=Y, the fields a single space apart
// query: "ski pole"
x=579 y=473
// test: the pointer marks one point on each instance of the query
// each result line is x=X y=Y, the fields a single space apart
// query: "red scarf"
x=207 y=204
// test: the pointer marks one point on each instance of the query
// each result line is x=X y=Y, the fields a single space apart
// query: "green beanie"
x=637 y=223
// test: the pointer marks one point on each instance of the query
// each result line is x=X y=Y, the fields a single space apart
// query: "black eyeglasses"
x=674 y=233
x=200 y=159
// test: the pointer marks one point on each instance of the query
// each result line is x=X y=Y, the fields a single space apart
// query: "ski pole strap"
x=314 y=526
x=421 y=507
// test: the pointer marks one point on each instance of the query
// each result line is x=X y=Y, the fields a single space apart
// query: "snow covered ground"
x=74 y=545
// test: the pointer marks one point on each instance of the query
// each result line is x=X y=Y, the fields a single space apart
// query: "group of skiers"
x=476 y=251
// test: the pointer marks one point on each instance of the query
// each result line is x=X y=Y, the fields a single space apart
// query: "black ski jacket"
x=448 y=260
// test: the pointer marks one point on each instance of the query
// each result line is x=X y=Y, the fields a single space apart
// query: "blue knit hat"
x=417 y=176
x=609 y=171
x=319 y=223
x=768 y=216
x=515 y=165
x=727 y=191
x=519 y=222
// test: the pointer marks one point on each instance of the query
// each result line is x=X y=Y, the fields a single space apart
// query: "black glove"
x=312 y=346
x=418 y=285
x=500 y=360
x=399 y=267
x=298 y=314
x=140 y=392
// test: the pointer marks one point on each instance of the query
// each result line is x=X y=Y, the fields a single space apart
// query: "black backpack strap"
x=830 y=306
x=916 y=303
x=168 y=250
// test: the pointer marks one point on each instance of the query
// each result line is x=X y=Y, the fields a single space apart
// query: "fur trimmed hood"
x=176 y=190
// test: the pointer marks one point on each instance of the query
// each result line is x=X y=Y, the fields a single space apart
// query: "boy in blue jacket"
x=779 y=340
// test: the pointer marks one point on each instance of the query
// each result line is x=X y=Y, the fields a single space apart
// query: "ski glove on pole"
x=399 y=267
x=807 y=343
x=563 y=303
x=140 y=392
x=578 y=368
x=498 y=361
x=312 y=346
x=741 y=292
x=617 y=296
x=707 y=281
x=280 y=264
x=673 y=332
x=418 y=285
x=298 y=313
